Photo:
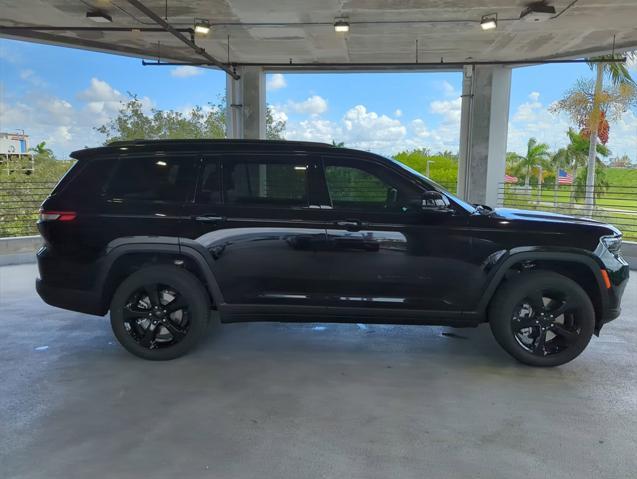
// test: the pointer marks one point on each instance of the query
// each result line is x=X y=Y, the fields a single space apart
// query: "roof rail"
x=121 y=143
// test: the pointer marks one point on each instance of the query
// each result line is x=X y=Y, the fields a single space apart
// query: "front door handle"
x=210 y=218
x=349 y=225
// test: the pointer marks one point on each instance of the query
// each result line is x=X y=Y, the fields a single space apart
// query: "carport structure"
x=247 y=38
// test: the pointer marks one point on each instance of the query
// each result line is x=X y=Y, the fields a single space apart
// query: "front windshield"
x=470 y=208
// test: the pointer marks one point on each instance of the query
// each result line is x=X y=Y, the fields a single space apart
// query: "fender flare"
x=514 y=257
x=121 y=247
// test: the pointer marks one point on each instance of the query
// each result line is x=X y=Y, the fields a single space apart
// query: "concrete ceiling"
x=275 y=31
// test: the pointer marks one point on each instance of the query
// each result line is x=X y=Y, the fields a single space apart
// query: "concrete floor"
x=306 y=401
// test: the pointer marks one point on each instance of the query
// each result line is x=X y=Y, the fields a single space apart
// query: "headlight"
x=612 y=243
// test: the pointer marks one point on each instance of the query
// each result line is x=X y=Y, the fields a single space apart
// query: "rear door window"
x=266 y=181
x=209 y=189
x=153 y=178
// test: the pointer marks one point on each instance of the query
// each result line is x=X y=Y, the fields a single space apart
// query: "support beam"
x=177 y=34
x=486 y=92
x=246 y=107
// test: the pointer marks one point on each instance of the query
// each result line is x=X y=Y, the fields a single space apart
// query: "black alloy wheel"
x=156 y=316
x=160 y=312
x=542 y=318
x=546 y=322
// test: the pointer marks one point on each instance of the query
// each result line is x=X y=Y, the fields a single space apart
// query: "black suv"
x=161 y=232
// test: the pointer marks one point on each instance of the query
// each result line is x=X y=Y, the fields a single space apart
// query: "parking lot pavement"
x=273 y=400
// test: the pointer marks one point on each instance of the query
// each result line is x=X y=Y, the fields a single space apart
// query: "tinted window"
x=368 y=187
x=266 y=182
x=210 y=184
x=152 y=179
x=86 y=179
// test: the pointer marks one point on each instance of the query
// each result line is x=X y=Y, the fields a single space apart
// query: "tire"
x=547 y=330
x=160 y=312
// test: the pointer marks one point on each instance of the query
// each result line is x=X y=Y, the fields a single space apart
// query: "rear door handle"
x=349 y=225
x=210 y=218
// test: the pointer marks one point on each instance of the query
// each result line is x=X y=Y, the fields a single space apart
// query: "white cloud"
x=448 y=89
x=420 y=129
x=370 y=127
x=275 y=82
x=277 y=114
x=185 y=71
x=64 y=125
x=25 y=74
x=30 y=76
x=358 y=128
x=314 y=105
x=532 y=119
x=369 y=130
x=99 y=90
x=448 y=109
x=314 y=129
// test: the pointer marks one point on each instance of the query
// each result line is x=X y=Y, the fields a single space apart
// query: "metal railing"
x=19 y=205
x=616 y=205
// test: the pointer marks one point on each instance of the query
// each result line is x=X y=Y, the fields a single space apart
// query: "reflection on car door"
x=255 y=215
x=383 y=249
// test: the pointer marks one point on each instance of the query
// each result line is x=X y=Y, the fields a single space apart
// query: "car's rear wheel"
x=542 y=318
x=159 y=312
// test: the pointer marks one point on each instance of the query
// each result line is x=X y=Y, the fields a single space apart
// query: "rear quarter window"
x=85 y=179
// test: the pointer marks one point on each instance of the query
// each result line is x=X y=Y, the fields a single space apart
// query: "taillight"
x=57 y=215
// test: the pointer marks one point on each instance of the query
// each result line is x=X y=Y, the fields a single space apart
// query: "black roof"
x=187 y=144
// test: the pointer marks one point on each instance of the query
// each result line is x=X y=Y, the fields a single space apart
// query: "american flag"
x=564 y=178
x=510 y=179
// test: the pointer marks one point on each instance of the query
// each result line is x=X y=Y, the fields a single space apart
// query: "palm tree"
x=536 y=154
x=590 y=105
x=42 y=151
x=619 y=77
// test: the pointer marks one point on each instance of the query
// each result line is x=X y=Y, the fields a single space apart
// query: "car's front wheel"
x=542 y=318
x=159 y=312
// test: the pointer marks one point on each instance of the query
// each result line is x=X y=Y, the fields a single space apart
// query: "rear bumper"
x=75 y=300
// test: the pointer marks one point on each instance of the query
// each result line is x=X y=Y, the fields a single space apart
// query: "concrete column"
x=246 y=107
x=486 y=91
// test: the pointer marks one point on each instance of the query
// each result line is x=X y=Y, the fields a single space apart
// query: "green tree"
x=444 y=170
x=537 y=154
x=42 y=152
x=132 y=122
x=591 y=105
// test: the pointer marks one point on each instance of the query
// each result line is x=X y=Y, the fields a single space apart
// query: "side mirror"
x=434 y=200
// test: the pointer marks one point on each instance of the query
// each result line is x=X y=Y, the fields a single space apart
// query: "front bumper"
x=618 y=273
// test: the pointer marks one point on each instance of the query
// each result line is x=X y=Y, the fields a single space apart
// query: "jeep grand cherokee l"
x=161 y=232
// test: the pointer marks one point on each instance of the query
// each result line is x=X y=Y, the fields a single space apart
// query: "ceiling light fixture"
x=341 y=25
x=489 y=22
x=202 y=26
x=99 y=17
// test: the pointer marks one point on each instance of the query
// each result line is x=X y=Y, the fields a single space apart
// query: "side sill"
x=231 y=313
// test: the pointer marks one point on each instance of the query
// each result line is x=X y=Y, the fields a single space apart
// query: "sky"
x=59 y=95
